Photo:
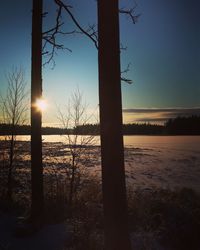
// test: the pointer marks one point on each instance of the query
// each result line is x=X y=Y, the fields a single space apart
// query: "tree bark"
x=36 y=116
x=112 y=150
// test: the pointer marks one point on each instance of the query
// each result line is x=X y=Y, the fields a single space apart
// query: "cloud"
x=156 y=115
x=167 y=110
x=151 y=120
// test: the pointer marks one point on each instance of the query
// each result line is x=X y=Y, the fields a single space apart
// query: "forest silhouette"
x=176 y=126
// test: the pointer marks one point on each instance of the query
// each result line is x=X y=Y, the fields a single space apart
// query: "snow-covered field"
x=169 y=162
x=163 y=161
x=150 y=161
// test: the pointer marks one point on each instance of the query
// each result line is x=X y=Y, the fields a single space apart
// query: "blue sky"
x=162 y=49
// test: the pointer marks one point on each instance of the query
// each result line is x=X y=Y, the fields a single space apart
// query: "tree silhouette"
x=14 y=114
x=113 y=173
x=74 y=117
x=36 y=116
x=90 y=32
x=183 y=125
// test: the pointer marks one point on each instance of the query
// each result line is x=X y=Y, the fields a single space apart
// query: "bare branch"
x=126 y=80
x=49 y=36
x=130 y=13
x=50 y=39
x=91 y=35
x=125 y=71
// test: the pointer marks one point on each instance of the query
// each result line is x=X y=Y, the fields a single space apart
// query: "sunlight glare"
x=41 y=104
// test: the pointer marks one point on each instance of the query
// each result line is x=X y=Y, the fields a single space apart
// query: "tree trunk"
x=36 y=116
x=112 y=150
x=11 y=155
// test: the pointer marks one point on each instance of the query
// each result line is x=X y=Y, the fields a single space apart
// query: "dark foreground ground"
x=160 y=218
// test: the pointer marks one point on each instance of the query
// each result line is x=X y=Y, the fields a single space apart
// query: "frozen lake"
x=150 y=161
x=191 y=143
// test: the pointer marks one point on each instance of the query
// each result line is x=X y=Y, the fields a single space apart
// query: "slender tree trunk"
x=71 y=193
x=36 y=116
x=112 y=150
x=11 y=155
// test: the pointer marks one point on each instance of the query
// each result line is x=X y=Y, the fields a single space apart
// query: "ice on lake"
x=150 y=161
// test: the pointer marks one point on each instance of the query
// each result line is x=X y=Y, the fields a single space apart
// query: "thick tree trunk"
x=113 y=173
x=36 y=116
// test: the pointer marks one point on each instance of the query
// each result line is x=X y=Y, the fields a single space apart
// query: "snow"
x=51 y=237
x=169 y=162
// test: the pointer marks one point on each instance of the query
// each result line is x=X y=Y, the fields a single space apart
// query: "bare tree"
x=14 y=107
x=106 y=40
x=51 y=45
x=110 y=103
x=72 y=120
x=113 y=172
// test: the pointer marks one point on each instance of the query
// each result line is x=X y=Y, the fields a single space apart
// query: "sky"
x=162 y=50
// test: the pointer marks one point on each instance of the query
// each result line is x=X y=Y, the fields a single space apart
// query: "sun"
x=41 y=104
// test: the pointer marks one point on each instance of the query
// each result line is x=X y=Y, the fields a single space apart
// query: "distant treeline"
x=177 y=126
x=128 y=129
x=183 y=126
x=5 y=129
